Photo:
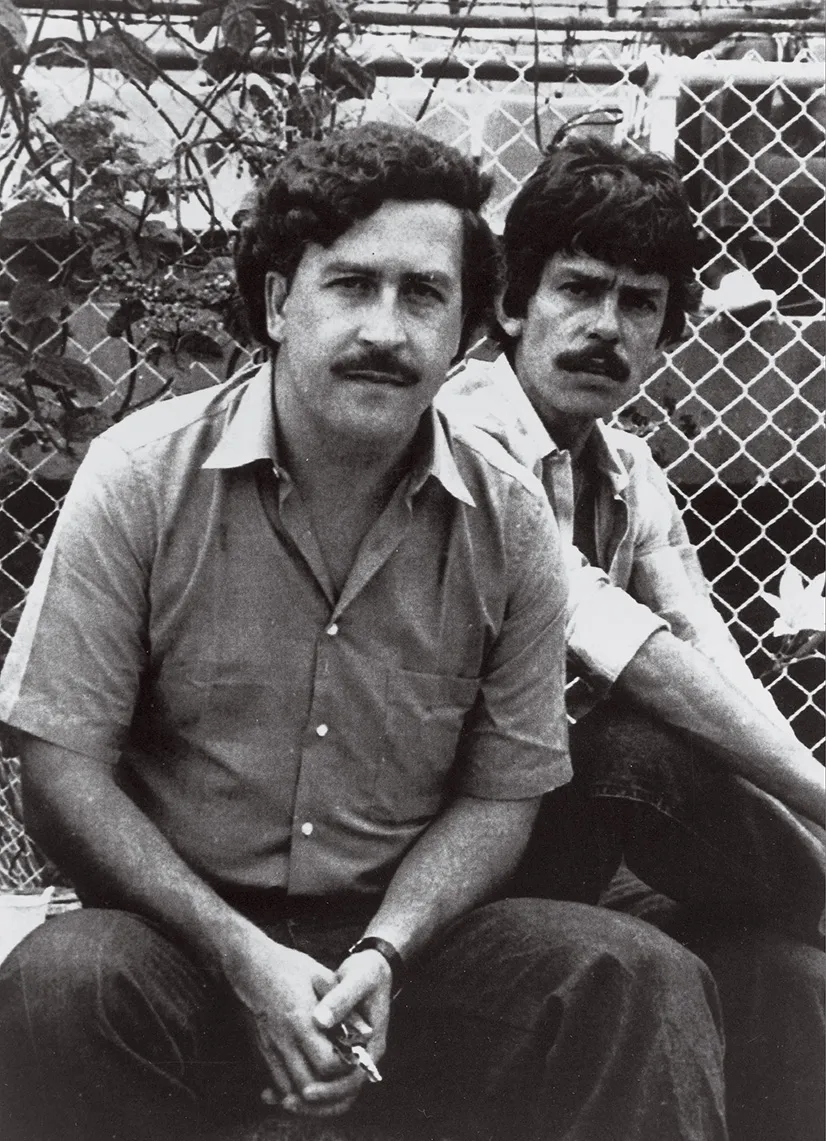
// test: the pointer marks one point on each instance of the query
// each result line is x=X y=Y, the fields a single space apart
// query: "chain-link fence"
x=111 y=304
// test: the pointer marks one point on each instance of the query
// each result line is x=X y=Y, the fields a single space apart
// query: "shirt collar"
x=248 y=433
x=438 y=460
x=502 y=408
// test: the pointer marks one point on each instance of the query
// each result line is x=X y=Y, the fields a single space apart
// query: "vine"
x=86 y=215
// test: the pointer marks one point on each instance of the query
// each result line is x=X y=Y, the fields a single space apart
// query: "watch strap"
x=386 y=950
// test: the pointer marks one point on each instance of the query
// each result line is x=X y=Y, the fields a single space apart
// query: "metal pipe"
x=769 y=20
x=445 y=67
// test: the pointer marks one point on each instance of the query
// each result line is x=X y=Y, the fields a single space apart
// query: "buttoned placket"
x=558 y=481
x=319 y=738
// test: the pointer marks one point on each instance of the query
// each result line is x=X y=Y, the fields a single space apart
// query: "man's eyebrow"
x=428 y=276
x=596 y=277
x=647 y=292
x=431 y=277
x=353 y=267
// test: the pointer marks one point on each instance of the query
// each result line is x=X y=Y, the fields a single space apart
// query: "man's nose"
x=607 y=318
x=382 y=322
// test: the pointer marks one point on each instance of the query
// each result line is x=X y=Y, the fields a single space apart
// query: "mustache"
x=377 y=360
x=603 y=360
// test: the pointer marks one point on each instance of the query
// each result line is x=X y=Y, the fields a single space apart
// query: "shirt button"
x=307 y=829
x=333 y=630
x=322 y=730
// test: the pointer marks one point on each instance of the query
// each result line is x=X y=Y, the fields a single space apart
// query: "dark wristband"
x=387 y=951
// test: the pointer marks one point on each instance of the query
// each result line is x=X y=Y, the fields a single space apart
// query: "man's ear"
x=511 y=325
x=275 y=293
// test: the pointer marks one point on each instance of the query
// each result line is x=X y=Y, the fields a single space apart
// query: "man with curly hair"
x=682 y=763
x=290 y=688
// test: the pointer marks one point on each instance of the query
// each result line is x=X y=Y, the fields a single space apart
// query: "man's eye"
x=423 y=291
x=578 y=288
x=351 y=283
x=641 y=304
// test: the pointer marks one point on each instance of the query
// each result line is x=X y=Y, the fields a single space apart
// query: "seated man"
x=289 y=686
x=682 y=762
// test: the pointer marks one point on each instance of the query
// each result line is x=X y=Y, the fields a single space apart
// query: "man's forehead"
x=597 y=269
x=427 y=233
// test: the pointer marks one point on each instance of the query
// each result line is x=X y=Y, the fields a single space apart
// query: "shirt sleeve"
x=608 y=624
x=605 y=626
x=667 y=577
x=74 y=668
x=518 y=743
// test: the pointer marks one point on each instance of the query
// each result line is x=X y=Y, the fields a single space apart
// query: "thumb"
x=338 y=1003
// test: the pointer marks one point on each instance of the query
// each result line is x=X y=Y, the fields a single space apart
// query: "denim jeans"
x=530 y=1020
x=651 y=826
x=690 y=830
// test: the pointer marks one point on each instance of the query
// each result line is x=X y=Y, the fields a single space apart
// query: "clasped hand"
x=293 y=1002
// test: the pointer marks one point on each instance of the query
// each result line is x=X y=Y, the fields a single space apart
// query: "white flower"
x=799 y=605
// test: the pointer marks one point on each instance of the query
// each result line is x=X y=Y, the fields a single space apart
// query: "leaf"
x=56 y=52
x=204 y=22
x=307 y=112
x=345 y=76
x=222 y=63
x=200 y=345
x=215 y=154
x=11 y=22
x=11 y=368
x=125 y=53
x=799 y=605
x=131 y=309
x=81 y=425
x=238 y=25
x=107 y=252
x=260 y=98
x=31 y=300
x=34 y=222
x=63 y=372
x=331 y=14
x=160 y=234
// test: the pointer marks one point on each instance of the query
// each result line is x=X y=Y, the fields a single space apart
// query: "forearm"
x=86 y=823
x=458 y=863
x=675 y=681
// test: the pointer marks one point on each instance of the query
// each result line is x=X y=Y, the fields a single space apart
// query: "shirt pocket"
x=425 y=715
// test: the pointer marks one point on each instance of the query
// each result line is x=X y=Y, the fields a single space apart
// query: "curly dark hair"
x=321 y=188
x=611 y=202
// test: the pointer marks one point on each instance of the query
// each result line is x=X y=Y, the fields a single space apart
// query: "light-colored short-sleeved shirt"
x=642 y=574
x=184 y=628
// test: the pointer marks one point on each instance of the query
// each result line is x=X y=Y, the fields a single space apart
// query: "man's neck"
x=570 y=433
x=338 y=468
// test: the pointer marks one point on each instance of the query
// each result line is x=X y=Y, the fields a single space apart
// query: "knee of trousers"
x=558 y=945
x=89 y=970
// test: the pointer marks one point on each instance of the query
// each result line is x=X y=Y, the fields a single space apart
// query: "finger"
x=282 y=1084
x=291 y=1070
x=324 y=1099
x=359 y=1023
x=341 y=1000
x=301 y=1108
x=332 y=1092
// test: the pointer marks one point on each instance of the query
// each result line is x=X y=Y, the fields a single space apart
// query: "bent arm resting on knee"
x=82 y=818
x=676 y=682
x=468 y=852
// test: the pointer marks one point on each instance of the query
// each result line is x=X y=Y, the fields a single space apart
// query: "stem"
x=132 y=374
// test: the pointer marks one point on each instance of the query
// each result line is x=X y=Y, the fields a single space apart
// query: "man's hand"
x=280 y=988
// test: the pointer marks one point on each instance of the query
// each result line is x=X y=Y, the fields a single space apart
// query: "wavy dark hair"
x=609 y=201
x=321 y=188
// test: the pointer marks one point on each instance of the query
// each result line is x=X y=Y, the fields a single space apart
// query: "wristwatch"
x=387 y=951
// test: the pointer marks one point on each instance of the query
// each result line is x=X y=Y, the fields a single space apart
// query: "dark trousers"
x=531 y=1019
x=651 y=826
